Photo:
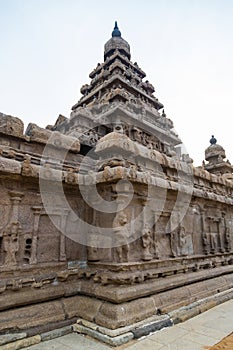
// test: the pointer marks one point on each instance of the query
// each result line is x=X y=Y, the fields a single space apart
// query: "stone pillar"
x=205 y=235
x=62 y=255
x=36 y=212
x=16 y=198
x=92 y=249
x=222 y=232
x=12 y=231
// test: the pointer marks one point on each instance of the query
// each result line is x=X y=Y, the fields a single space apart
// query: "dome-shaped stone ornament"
x=214 y=151
x=116 y=42
x=213 y=140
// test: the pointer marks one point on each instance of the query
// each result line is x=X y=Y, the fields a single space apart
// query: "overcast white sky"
x=49 y=47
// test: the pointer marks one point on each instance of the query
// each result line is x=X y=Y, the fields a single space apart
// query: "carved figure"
x=181 y=242
x=71 y=177
x=27 y=169
x=205 y=243
x=213 y=242
x=121 y=236
x=174 y=243
x=147 y=242
x=92 y=137
x=11 y=242
x=228 y=239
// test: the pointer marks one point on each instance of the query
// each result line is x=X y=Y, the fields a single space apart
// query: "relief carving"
x=33 y=255
x=121 y=236
x=213 y=242
x=206 y=245
x=92 y=250
x=222 y=233
x=27 y=169
x=181 y=242
x=228 y=239
x=71 y=177
x=11 y=243
x=213 y=235
x=10 y=234
x=147 y=243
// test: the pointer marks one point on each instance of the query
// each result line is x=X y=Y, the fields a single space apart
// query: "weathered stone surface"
x=51 y=326
x=38 y=134
x=11 y=125
x=56 y=333
x=113 y=341
x=23 y=343
x=55 y=138
x=9 y=338
x=31 y=295
x=115 y=316
x=31 y=316
x=122 y=330
x=82 y=306
x=184 y=313
x=10 y=166
x=147 y=329
x=170 y=300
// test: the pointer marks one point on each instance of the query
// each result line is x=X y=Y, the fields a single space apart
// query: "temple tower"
x=118 y=96
x=215 y=156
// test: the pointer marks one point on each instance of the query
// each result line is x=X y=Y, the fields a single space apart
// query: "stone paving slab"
x=70 y=341
x=225 y=344
x=199 y=333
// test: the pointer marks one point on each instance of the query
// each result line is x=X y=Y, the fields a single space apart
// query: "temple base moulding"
x=116 y=324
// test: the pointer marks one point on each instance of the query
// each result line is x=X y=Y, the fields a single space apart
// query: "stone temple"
x=107 y=229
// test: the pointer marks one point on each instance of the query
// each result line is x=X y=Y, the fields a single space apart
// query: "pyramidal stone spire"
x=118 y=93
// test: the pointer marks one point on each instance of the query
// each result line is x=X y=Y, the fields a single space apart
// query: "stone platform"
x=197 y=333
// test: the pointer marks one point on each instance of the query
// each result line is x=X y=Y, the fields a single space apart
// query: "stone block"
x=120 y=315
x=53 y=138
x=207 y=305
x=115 y=332
x=30 y=295
x=9 y=338
x=183 y=314
x=113 y=341
x=82 y=306
x=22 y=343
x=56 y=333
x=172 y=299
x=38 y=134
x=147 y=329
x=11 y=125
x=10 y=166
x=31 y=316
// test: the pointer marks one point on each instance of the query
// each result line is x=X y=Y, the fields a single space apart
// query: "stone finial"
x=116 y=31
x=213 y=140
